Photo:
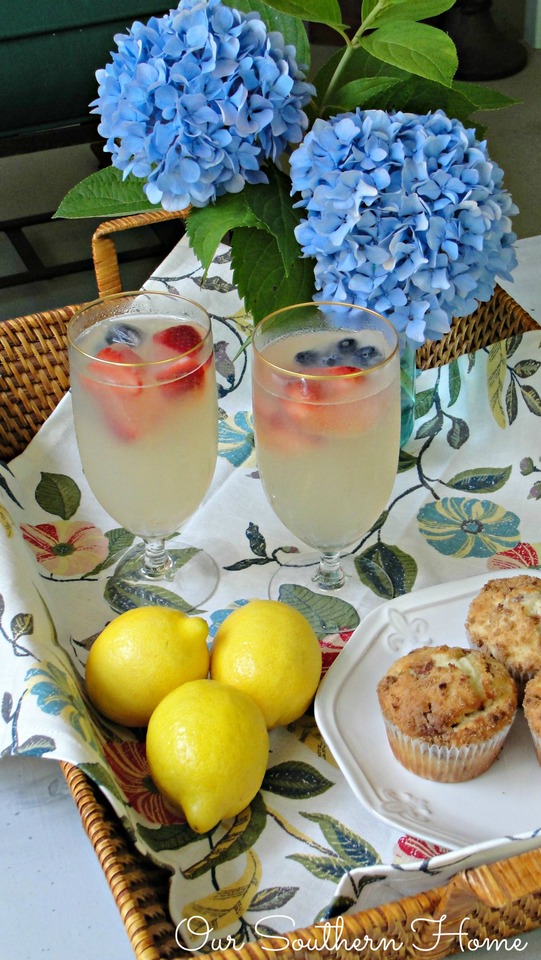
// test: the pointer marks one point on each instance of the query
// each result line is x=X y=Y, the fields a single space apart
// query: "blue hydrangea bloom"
x=195 y=101
x=405 y=214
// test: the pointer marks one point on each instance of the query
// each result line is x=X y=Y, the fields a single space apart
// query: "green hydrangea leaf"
x=291 y=27
x=365 y=93
x=483 y=97
x=312 y=11
x=381 y=13
x=400 y=89
x=271 y=205
x=417 y=48
x=419 y=95
x=207 y=226
x=105 y=194
x=258 y=271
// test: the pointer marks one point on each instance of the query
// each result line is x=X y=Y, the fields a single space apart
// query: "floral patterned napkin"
x=465 y=503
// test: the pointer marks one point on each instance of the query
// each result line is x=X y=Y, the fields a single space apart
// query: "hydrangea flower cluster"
x=196 y=100
x=406 y=214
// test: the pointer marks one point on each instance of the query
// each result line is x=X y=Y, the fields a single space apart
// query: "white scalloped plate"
x=505 y=800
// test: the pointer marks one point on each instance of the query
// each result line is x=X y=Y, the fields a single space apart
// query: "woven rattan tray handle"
x=104 y=252
x=494 y=885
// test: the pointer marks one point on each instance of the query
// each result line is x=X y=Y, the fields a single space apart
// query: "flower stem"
x=351 y=45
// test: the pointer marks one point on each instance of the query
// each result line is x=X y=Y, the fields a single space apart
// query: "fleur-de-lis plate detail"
x=406 y=805
x=408 y=634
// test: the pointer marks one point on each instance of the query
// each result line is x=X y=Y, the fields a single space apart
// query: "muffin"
x=532 y=711
x=447 y=711
x=504 y=620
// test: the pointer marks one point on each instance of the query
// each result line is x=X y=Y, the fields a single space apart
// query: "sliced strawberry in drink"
x=185 y=372
x=117 y=386
x=304 y=390
x=121 y=369
x=330 y=371
x=315 y=400
x=180 y=338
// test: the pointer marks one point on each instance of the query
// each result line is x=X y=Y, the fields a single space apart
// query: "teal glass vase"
x=408 y=376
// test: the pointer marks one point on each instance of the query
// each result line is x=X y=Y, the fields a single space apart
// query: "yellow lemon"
x=270 y=651
x=207 y=749
x=142 y=655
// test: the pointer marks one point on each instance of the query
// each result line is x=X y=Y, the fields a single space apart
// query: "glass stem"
x=330 y=575
x=157 y=562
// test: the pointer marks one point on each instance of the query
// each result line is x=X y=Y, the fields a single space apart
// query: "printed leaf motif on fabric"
x=123 y=595
x=58 y=494
x=480 y=480
x=21 y=625
x=497 y=371
x=226 y=905
x=325 y=613
x=387 y=570
x=351 y=849
x=245 y=829
x=295 y=780
x=58 y=692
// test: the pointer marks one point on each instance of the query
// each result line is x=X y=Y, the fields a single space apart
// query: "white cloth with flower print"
x=296 y=854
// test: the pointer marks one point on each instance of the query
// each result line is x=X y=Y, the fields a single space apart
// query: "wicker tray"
x=500 y=900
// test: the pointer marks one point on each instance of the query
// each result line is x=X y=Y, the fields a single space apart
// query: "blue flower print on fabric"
x=218 y=617
x=236 y=438
x=462 y=528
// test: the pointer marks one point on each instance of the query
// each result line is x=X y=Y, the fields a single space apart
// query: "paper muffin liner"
x=537 y=744
x=531 y=713
x=445 y=764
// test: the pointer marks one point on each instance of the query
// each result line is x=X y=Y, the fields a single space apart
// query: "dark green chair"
x=49 y=53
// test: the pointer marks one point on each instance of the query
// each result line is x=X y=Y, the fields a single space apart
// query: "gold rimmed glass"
x=326 y=400
x=145 y=410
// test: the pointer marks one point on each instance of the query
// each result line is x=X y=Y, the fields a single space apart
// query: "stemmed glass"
x=326 y=403
x=145 y=409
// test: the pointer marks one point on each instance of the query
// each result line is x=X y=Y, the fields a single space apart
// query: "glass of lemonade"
x=145 y=409
x=326 y=401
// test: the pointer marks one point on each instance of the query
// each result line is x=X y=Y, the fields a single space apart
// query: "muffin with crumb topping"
x=447 y=711
x=532 y=711
x=504 y=620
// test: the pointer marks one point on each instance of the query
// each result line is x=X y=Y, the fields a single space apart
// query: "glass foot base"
x=189 y=581
x=338 y=608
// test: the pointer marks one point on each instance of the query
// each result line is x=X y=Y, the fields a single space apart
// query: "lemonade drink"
x=145 y=411
x=327 y=426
